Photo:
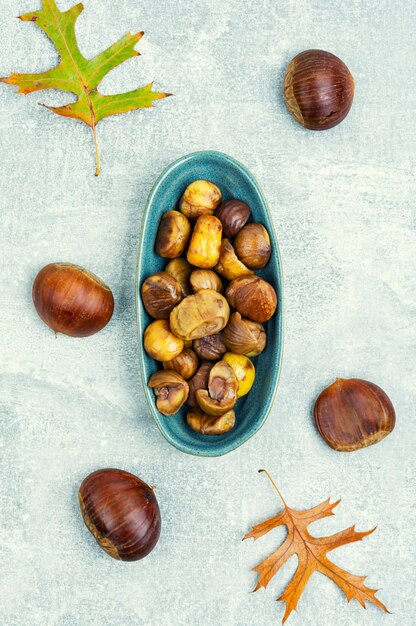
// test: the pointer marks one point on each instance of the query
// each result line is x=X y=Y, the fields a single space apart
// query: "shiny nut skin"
x=252 y=246
x=233 y=215
x=160 y=294
x=228 y=264
x=181 y=270
x=204 y=247
x=200 y=198
x=186 y=364
x=171 y=391
x=210 y=348
x=352 y=413
x=243 y=336
x=199 y=381
x=252 y=297
x=319 y=89
x=208 y=424
x=244 y=371
x=206 y=279
x=221 y=395
x=173 y=235
x=204 y=313
x=160 y=343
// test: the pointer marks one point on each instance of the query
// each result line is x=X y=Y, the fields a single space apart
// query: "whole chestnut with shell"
x=233 y=215
x=252 y=246
x=161 y=292
x=252 y=297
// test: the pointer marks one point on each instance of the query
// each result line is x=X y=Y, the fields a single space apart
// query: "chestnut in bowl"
x=200 y=198
x=161 y=292
x=173 y=235
x=252 y=246
x=233 y=215
x=253 y=297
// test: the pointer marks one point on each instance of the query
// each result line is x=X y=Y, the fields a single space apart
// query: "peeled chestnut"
x=160 y=343
x=252 y=246
x=160 y=294
x=244 y=371
x=228 y=264
x=171 y=391
x=208 y=424
x=243 y=336
x=211 y=347
x=72 y=300
x=173 y=235
x=221 y=395
x=353 y=413
x=121 y=512
x=206 y=279
x=204 y=313
x=253 y=297
x=181 y=270
x=186 y=364
x=204 y=247
x=233 y=215
x=319 y=89
x=199 y=381
x=200 y=198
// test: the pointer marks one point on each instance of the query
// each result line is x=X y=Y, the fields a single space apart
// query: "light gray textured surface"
x=343 y=208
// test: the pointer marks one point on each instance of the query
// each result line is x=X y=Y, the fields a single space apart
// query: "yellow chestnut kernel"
x=160 y=343
x=204 y=248
x=200 y=198
x=244 y=371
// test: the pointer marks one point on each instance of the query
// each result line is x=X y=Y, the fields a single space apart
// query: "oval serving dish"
x=235 y=181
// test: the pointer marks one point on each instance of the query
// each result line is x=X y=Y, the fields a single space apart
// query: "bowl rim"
x=210 y=451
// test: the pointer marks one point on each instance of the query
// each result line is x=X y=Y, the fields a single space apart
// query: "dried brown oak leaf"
x=80 y=76
x=312 y=555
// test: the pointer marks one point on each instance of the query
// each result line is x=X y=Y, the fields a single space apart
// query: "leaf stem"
x=97 y=152
x=274 y=485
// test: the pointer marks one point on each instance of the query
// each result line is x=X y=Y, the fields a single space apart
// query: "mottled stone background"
x=343 y=208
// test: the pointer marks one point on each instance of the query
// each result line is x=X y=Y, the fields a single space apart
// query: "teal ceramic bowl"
x=235 y=181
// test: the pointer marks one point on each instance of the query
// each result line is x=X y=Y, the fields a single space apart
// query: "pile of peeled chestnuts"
x=208 y=306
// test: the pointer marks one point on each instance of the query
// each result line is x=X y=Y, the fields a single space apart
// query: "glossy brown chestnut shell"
x=233 y=215
x=252 y=246
x=242 y=336
x=205 y=424
x=121 y=512
x=210 y=348
x=319 y=89
x=353 y=413
x=199 y=381
x=173 y=235
x=72 y=300
x=161 y=292
x=253 y=297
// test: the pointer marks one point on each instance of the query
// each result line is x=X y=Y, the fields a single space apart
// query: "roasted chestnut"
x=233 y=215
x=186 y=364
x=171 y=391
x=72 y=300
x=160 y=343
x=199 y=381
x=206 y=279
x=319 y=89
x=200 y=198
x=253 y=297
x=204 y=248
x=173 y=235
x=353 y=413
x=228 y=264
x=211 y=347
x=121 y=512
x=252 y=246
x=244 y=371
x=208 y=424
x=160 y=294
x=204 y=313
x=243 y=336
x=221 y=395
x=181 y=270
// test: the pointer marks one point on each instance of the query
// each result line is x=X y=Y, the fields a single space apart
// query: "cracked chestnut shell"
x=205 y=313
x=319 y=89
x=233 y=215
x=253 y=297
x=200 y=198
x=243 y=336
x=221 y=395
x=199 y=381
x=211 y=347
x=121 y=512
x=252 y=246
x=173 y=235
x=186 y=364
x=206 y=279
x=353 y=413
x=171 y=391
x=208 y=424
x=161 y=292
x=229 y=265
x=181 y=270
